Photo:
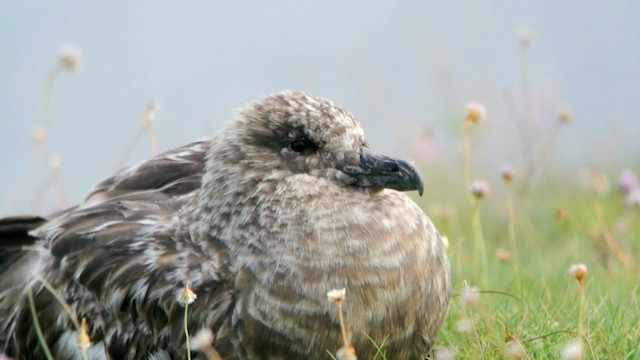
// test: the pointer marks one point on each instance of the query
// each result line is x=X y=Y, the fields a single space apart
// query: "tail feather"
x=14 y=237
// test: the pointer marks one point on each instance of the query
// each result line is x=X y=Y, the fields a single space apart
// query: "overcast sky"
x=403 y=68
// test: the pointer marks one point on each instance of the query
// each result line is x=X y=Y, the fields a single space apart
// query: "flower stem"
x=512 y=224
x=343 y=328
x=581 y=316
x=466 y=157
x=36 y=325
x=186 y=329
x=479 y=240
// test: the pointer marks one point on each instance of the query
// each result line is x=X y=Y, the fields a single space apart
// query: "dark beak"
x=379 y=171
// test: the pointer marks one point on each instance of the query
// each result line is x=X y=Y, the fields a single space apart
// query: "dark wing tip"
x=15 y=230
x=14 y=235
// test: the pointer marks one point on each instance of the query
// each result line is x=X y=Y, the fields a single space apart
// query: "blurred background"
x=406 y=70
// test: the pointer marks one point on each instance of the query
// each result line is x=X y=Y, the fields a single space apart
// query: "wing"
x=120 y=260
x=14 y=236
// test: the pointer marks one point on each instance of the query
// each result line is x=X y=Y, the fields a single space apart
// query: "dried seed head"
x=503 y=255
x=524 y=36
x=186 y=296
x=337 y=295
x=70 y=57
x=83 y=340
x=507 y=173
x=39 y=135
x=561 y=214
x=475 y=112
x=565 y=115
x=578 y=271
x=480 y=189
x=572 y=351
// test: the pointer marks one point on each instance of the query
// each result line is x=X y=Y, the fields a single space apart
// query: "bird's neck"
x=224 y=201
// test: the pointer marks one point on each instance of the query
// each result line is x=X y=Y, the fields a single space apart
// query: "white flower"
x=514 y=350
x=337 y=295
x=464 y=326
x=346 y=352
x=202 y=340
x=470 y=295
x=475 y=112
x=70 y=57
x=443 y=354
x=572 y=351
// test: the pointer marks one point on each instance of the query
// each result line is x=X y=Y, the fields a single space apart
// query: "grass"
x=542 y=310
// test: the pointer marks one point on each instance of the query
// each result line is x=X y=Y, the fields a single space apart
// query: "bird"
x=256 y=226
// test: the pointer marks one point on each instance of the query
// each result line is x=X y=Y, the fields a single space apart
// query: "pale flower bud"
x=524 y=36
x=70 y=57
x=578 y=271
x=55 y=163
x=475 y=112
x=39 y=135
x=565 y=115
x=480 y=189
x=507 y=173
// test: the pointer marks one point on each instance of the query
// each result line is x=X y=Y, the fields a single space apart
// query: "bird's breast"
x=381 y=248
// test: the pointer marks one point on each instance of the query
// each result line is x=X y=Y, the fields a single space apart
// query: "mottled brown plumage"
x=285 y=205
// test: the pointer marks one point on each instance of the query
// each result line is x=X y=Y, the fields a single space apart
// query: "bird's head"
x=298 y=133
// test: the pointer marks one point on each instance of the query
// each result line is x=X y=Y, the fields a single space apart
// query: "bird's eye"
x=302 y=146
